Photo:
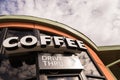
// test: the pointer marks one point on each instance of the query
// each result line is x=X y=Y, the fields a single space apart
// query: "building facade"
x=40 y=49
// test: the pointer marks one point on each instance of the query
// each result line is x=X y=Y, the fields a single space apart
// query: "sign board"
x=59 y=63
x=45 y=43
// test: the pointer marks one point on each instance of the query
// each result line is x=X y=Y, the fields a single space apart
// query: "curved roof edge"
x=57 y=25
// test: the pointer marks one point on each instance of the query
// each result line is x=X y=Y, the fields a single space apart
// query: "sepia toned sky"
x=97 y=19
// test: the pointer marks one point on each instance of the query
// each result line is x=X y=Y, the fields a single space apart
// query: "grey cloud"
x=97 y=19
x=7 y=72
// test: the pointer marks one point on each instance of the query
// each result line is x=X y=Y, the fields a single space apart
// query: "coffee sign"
x=45 y=43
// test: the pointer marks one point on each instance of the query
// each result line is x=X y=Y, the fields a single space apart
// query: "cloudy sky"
x=97 y=19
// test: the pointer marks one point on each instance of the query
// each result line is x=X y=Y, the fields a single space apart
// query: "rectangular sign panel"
x=59 y=63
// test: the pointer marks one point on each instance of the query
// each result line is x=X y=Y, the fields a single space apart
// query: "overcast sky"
x=97 y=19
